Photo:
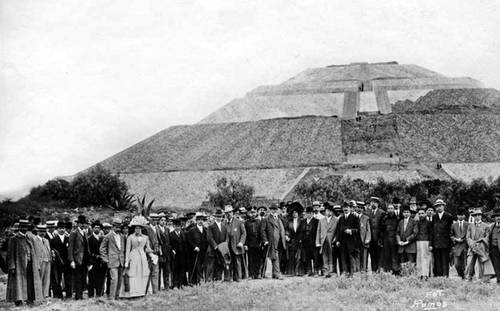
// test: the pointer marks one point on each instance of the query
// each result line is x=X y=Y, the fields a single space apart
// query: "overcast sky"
x=82 y=80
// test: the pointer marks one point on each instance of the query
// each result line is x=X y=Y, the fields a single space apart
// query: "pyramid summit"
x=361 y=120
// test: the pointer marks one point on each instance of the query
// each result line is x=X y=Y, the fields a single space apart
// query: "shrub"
x=233 y=192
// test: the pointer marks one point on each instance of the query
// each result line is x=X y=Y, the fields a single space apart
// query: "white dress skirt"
x=138 y=270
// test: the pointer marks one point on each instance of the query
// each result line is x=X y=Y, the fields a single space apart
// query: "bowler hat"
x=82 y=219
x=309 y=209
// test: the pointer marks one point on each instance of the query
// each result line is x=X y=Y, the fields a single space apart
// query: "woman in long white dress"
x=136 y=263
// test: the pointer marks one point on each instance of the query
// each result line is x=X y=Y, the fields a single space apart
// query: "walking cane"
x=263 y=269
x=194 y=267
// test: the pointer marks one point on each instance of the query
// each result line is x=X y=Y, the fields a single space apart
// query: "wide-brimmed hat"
x=439 y=202
x=316 y=203
x=82 y=219
x=41 y=227
x=154 y=216
x=200 y=216
x=228 y=209
x=219 y=213
x=242 y=210
x=138 y=221
x=107 y=225
x=24 y=223
x=360 y=203
x=51 y=224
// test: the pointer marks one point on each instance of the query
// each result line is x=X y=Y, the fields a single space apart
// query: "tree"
x=97 y=187
x=233 y=192
x=54 y=190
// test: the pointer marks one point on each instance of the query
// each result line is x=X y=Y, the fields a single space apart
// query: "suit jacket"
x=375 y=220
x=365 y=232
x=236 y=234
x=60 y=248
x=179 y=246
x=408 y=235
x=165 y=247
x=459 y=248
x=351 y=241
x=111 y=253
x=196 y=238
x=215 y=237
x=478 y=233
x=154 y=239
x=78 y=248
x=94 y=252
x=441 y=230
x=252 y=228
x=309 y=233
x=326 y=231
x=490 y=238
x=273 y=231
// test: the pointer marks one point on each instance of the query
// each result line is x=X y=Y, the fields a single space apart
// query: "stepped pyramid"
x=366 y=121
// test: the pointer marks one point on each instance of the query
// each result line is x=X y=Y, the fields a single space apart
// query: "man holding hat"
x=112 y=251
x=441 y=224
x=273 y=237
x=478 y=241
x=78 y=256
x=376 y=215
x=236 y=238
x=216 y=234
x=494 y=242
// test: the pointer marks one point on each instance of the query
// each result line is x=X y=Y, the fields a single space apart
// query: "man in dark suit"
x=179 y=250
x=348 y=239
x=165 y=259
x=309 y=227
x=441 y=227
x=236 y=238
x=216 y=234
x=459 y=241
x=60 y=264
x=376 y=215
x=273 y=236
x=78 y=254
x=97 y=267
x=253 y=243
x=494 y=243
x=197 y=245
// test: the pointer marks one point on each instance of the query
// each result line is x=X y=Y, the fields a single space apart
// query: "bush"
x=233 y=192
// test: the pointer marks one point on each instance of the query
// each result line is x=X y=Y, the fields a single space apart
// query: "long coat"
x=252 y=227
x=179 y=246
x=22 y=286
x=409 y=235
x=351 y=241
x=375 y=223
x=273 y=231
x=166 y=248
x=459 y=248
x=236 y=234
x=60 y=248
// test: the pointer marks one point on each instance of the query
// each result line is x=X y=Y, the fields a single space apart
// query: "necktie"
x=461 y=226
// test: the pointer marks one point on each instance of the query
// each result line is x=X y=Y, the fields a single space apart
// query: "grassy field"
x=362 y=292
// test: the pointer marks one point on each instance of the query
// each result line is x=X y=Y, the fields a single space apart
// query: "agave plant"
x=144 y=207
x=123 y=203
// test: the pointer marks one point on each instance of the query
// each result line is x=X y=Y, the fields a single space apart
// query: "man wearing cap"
x=61 y=265
x=197 y=245
x=376 y=215
x=216 y=234
x=179 y=249
x=441 y=228
x=459 y=241
x=478 y=241
x=273 y=237
x=236 y=238
x=153 y=235
x=494 y=242
x=112 y=251
x=97 y=269
x=23 y=283
x=252 y=244
x=78 y=256
x=364 y=235
x=43 y=249
x=325 y=238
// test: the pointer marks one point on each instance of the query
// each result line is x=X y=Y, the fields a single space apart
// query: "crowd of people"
x=144 y=254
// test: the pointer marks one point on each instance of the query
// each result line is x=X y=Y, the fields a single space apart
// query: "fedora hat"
x=228 y=209
x=375 y=199
x=476 y=211
x=219 y=213
x=439 y=202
